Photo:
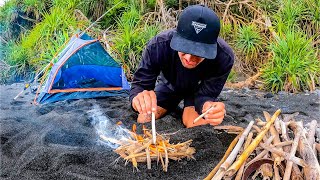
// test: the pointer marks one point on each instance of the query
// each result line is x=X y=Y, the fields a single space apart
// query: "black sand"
x=59 y=140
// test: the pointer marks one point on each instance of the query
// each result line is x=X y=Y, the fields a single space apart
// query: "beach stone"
x=268 y=95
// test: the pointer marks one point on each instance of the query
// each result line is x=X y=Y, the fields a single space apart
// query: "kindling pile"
x=275 y=148
x=141 y=149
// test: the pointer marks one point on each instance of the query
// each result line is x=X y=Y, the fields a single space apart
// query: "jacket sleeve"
x=146 y=75
x=210 y=88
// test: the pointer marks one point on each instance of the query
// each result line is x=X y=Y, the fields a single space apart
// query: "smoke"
x=108 y=131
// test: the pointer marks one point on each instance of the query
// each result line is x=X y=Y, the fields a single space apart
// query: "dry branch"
x=277 y=125
x=231 y=146
x=230 y=129
x=235 y=166
x=284 y=135
x=311 y=134
x=247 y=143
x=312 y=170
x=285 y=155
x=141 y=149
x=233 y=154
x=264 y=152
x=287 y=173
x=281 y=149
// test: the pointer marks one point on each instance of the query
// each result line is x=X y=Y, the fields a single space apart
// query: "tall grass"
x=34 y=8
x=288 y=16
x=294 y=65
x=38 y=46
x=310 y=22
x=250 y=44
x=130 y=38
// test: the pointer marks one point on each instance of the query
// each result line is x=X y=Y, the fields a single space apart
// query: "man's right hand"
x=145 y=102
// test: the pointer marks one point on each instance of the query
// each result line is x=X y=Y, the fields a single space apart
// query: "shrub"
x=249 y=45
x=130 y=39
x=293 y=66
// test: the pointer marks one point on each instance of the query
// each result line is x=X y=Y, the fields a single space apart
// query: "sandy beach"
x=60 y=140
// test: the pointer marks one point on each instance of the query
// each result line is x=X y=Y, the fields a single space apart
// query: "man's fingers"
x=217 y=109
x=153 y=101
x=217 y=115
x=143 y=118
x=147 y=101
x=136 y=105
x=215 y=122
x=142 y=104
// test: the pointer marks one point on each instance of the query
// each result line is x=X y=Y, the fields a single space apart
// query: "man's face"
x=189 y=61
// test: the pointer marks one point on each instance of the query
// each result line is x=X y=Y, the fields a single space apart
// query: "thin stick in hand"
x=153 y=125
x=203 y=114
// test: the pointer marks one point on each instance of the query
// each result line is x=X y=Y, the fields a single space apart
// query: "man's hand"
x=213 y=117
x=216 y=115
x=145 y=102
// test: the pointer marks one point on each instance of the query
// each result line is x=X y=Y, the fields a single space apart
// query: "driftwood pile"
x=277 y=148
x=139 y=148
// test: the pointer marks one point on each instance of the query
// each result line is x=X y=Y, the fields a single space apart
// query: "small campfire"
x=277 y=148
x=139 y=148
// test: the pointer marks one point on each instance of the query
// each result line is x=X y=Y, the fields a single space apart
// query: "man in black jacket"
x=189 y=63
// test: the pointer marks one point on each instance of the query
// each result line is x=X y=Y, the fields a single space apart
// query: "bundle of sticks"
x=140 y=148
x=277 y=148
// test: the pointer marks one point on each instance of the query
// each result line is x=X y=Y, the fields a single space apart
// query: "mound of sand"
x=60 y=140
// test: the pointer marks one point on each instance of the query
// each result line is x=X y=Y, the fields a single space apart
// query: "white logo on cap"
x=198 y=26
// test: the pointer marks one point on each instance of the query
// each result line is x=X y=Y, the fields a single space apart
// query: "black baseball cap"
x=197 y=32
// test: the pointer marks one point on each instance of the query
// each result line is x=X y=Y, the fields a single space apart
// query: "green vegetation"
x=286 y=52
x=294 y=65
x=131 y=37
x=250 y=44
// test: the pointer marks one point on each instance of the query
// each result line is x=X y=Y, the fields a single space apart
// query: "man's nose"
x=189 y=57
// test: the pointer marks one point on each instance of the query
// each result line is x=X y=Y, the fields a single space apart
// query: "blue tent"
x=84 y=70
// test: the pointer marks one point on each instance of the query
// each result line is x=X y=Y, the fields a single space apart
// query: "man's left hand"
x=215 y=115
